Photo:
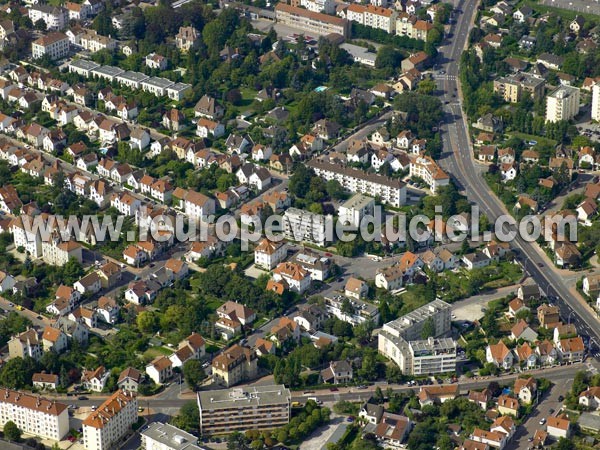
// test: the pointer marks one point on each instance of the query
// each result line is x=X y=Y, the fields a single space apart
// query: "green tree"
x=193 y=373
x=11 y=431
x=188 y=417
x=147 y=321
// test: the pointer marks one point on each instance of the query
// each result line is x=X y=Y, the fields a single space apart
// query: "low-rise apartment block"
x=300 y=225
x=352 y=211
x=512 y=87
x=396 y=337
x=54 y=45
x=373 y=16
x=429 y=356
x=234 y=365
x=241 y=409
x=352 y=310
x=34 y=415
x=312 y=22
x=105 y=427
x=390 y=190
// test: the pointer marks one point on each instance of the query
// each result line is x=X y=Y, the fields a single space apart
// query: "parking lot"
x=590 y=130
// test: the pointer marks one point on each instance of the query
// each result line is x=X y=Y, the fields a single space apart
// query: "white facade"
x=390 y=191
x=105 y=427
x=562 y=104
x=34 y=415
x=596 y=102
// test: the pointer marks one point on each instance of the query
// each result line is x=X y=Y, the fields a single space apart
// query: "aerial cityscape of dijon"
x=299 y=224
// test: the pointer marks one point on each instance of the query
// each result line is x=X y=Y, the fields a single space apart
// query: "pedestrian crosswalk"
x=445 y=77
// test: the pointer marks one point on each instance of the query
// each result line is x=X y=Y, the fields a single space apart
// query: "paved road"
x=460 y=162
x=543 y=409
x=168 y=405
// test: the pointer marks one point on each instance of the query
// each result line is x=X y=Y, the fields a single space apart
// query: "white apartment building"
x=425 y=357
x=34 y=415
x=562 y=104
x=241 y=409
x=55 y=45
x=395 y=338
x=94 y=42
x=596 y=102
x=310 y=21
x=361 y=311
x=198 y=206
x=268 y=254
x=318 y=6
x=24 y=237
x=300 y=225
x=56 y=17
x=352 y=211
x=105 y=427
x=426 y=168
x=390 y=190
x=373 y=16
x=163 y=436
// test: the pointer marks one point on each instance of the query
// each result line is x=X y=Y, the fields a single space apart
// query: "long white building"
x=105 y=427
x=241 y=409
x=34 y=415
x=390 y=190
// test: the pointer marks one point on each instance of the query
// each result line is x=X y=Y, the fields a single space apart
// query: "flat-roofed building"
x=162 y=436
x=352 y=211
x=241 y=409
x=176 y=91
x=395 y=336
x=132 y=79
x=361 y=312
x=300 y=225
x=82 y=67
x=430 y=356
x=34 y=415
x=156 y=85
x=109 y=73
x=562 y=104
x=310 y=21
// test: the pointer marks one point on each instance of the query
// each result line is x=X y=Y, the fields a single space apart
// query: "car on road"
x=11 y=304
x=39 y=318
x=542 y=421
x=560 y=398
x=340 y=280
x=350 y=419
x=333 y=389
x=442 y=72
x=540 y=264
x=82 y=397
x=329 y=255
